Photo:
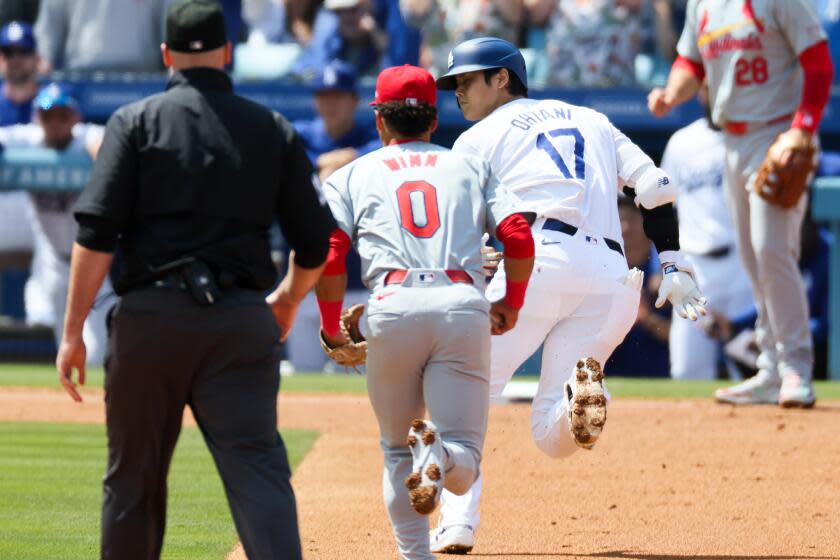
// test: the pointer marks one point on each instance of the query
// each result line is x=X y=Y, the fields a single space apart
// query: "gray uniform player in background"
x=416 y=213
x=769 y=73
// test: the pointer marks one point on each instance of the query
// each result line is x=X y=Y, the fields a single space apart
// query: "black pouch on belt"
x=201 y=282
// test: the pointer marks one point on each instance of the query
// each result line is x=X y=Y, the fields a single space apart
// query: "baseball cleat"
x=457 y=539
x=796 y=393
x=587 y=402
x=758 y=389
x=425 y=482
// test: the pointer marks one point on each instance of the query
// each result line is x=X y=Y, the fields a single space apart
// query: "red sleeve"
x=337 y=255
x=818 y=72
x=515 y=234
x=330 y=315
x=695 y=68
x=336 y=264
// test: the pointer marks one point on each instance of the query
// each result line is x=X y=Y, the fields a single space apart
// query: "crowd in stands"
x=567 y=43
x=334 y=45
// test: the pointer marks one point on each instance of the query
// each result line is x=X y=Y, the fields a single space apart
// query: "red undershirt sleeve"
x=515 y=234
x=818 y=73
x=336 y=264
x=692 y=66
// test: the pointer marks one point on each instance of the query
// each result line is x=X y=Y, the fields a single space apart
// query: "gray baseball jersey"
x=417 y=205
x=749 y=49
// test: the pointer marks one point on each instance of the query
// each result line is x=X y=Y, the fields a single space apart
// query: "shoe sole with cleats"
x=587 y=403
x=426 y=479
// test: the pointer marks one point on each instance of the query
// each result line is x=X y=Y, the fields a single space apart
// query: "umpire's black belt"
x=569 y=229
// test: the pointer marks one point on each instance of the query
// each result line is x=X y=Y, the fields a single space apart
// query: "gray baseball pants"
x=428 y=349
x=769 y=244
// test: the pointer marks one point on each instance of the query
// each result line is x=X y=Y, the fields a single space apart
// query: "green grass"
x=21 y=375
x=51 y=493
x=40 y=375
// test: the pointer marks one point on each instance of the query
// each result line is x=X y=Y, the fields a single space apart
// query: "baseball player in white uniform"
x=57 y=126
x=769 y=73
x=416 y=212
x=695 y=159
x=566 y=164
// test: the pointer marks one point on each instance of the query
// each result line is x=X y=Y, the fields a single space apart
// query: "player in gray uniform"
x=416 y=212
x=769 y=73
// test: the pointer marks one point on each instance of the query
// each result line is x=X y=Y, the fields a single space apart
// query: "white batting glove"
x=490 y=258
x=678 y=287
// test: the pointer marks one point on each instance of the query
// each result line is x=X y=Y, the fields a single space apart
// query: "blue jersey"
x=14 y=113
x=316 y=141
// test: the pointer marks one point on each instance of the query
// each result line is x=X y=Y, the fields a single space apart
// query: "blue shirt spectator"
x=336 y=137
x=19 y=63
x=362 y=138
x=368 y=37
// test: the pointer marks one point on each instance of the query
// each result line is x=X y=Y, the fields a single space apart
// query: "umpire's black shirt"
x=199 y=171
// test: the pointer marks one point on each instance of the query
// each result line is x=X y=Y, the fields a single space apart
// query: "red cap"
x=405 y=83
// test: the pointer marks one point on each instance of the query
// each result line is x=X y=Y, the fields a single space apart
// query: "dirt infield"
x=668 y=480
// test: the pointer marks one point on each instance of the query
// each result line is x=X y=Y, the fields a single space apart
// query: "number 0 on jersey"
x=418 y=208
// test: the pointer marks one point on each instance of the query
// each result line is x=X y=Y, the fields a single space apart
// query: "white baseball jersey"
x=53 y=210
x=559 y=160
x=750 y=51
x=417 y=205
x=694 y=158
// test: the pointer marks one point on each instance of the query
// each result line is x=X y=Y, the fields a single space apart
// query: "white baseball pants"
x=577 y=306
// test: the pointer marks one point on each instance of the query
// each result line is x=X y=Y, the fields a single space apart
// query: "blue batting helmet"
x=483 y=53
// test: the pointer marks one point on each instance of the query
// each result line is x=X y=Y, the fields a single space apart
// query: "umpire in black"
x=186 y=185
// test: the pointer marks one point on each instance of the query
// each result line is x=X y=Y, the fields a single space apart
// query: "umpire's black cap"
x=194 y=26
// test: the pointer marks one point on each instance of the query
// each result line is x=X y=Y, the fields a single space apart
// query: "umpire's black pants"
x=165 y=351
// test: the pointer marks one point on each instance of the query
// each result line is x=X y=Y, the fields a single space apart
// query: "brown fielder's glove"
x=783 y=185
x=353 y=353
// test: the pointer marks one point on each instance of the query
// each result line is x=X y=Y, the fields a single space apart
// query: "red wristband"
x=515 y=293
x=330 y=316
